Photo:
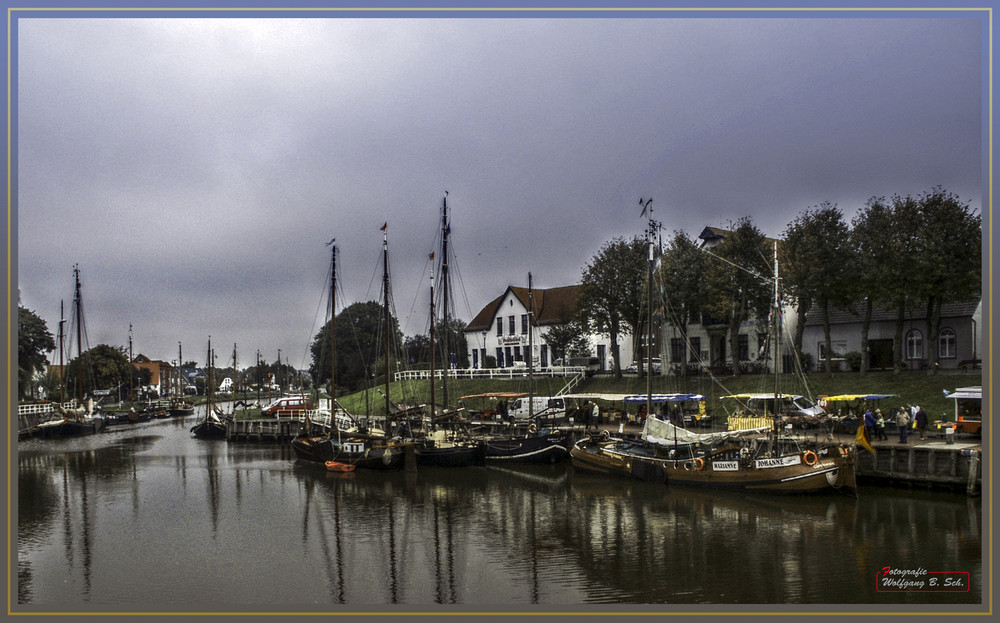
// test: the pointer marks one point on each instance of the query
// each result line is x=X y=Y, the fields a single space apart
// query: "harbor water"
x=145 y=518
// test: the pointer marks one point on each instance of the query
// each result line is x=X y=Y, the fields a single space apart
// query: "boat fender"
x=605 y=435
x=809 y=457
x=697 y=464
x=532 y=428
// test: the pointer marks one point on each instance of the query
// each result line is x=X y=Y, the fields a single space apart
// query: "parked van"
x=287 y=406
x=548 y=406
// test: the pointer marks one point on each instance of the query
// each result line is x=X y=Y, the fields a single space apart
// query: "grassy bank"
x=911 y=387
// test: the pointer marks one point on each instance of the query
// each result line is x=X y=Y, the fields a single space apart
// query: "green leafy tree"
x=817 y=267
x=33 y=341
x=567 y=339
x=738 y=283
x=875 y=245
x=359 y=346
x=947 y=260
x=613 y=293
x=100 y=367
x=457 y=345
x=682 y=274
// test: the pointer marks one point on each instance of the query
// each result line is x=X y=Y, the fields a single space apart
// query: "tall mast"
x=650 y=237
x=78 y=390
x=333 y=326
x=180 y=366
x=235 y=369
x=62 y=364
x=445 y=231
x=131 y=371
x=531 y=364
x=776 y=327
x=210 y=389
x=432 y=340
x=385 y=311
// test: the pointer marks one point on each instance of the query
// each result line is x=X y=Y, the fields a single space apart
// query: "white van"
x=547 y=406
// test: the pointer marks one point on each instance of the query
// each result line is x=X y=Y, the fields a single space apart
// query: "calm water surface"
x=147 y=518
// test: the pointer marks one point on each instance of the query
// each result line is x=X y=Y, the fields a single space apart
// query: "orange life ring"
x=532 y=428
x=697 y=464
x=809 y=457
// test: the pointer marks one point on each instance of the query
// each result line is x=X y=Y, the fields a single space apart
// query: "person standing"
x=921 y=419
x=902 y=421
x=880 y=426
x=869 y=424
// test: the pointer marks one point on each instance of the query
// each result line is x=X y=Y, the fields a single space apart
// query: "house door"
x=880 y=354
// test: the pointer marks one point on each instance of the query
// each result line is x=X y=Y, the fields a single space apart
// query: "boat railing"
x=490 y=373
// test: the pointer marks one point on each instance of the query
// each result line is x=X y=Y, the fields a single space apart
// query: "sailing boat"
x=531 y=443
x=211 y=427
x=757 y=459
x=82 y=419
x=355 y=446
x=178 y=405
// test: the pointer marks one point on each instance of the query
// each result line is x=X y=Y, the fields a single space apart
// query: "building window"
x=513 y=328
x=946 y=344
x=676 y=349
x=506 y=353
x=545 y=355
x=695 y=349
x=743 y=344
x=838 y=350
x=914 y=345
x=500 y=361
x=517 y=354
x=499 y=327
x=524 y=324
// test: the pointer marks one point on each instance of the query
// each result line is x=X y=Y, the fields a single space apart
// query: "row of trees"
x=901 y=253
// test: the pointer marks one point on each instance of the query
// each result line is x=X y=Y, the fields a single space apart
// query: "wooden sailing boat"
x=82 y=419
x=760 y=459
x=212 y=427
x=356 y=447
x=180 y=407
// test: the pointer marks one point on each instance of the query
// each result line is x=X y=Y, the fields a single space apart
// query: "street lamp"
x=482 y=357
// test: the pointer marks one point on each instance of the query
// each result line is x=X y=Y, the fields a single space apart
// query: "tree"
x=458 y=346
x=612 y=293
x=817 y=267
x=360 y=347
x=738 y=284
x=33 y=341
x=100 y=367
x=874 y=242
x=567 y=339
x=682 y=273
x=947 y=258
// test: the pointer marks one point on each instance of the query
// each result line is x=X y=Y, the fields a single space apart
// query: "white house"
x=501 y=328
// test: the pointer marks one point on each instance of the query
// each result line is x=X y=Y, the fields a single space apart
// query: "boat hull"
x=829 y=469
x=209 y=430
x=542 y=448
x=450 y=455
x=69 y=427
x=362 y=454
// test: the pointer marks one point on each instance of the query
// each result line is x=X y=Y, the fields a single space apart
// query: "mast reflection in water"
x=150 y=519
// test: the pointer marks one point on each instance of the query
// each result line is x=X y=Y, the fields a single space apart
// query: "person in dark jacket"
x=902 y=422
x=921 y=420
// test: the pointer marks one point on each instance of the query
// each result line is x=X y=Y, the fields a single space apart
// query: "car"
x=657 y=366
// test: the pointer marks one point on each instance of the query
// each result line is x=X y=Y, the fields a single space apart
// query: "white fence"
x=490 y=373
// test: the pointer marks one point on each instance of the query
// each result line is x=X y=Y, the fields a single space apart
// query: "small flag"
x=431 y=256
x=383 y=226
x=862 y=437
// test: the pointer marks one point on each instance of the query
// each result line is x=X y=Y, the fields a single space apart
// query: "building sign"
x=512 y=340
x=782 y=462
x=725 y=466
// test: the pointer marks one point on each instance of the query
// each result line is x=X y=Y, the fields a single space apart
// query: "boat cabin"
x=287 y=406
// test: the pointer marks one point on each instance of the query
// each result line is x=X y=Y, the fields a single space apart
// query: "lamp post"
x=482 y=358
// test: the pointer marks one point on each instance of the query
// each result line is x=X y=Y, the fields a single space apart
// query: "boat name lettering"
x=782 y=462
x=354 y=447
x=726 y=466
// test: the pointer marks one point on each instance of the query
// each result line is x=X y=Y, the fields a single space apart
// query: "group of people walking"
x=906 y=417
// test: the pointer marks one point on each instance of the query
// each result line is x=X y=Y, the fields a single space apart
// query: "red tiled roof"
x=551 y=306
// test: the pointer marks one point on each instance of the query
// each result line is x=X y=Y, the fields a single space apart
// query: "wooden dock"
x=267 y=429
x=930 y=463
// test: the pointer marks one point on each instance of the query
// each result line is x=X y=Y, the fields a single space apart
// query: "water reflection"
x=157 y=520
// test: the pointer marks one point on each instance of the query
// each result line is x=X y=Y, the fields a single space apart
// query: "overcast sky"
x=195 y=168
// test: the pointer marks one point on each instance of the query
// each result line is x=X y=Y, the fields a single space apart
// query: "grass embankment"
x=911 y=388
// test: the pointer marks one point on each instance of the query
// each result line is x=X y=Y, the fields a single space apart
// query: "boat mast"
x=62 y=364
x=210 y=388
x=650 y=237
x=445 y=231
x=531 y=368
x=234 y=379
x=333 y=326
x=180 y=367
x=432 y=340
x=776 y=327
x=385 y=312
x=78 y=390
x=131 y=371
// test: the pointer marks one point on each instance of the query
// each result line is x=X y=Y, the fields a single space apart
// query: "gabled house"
x=957 y=343
x=159 y=373
x=500 y=329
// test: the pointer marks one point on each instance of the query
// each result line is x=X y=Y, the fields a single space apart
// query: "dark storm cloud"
x=195 y=168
